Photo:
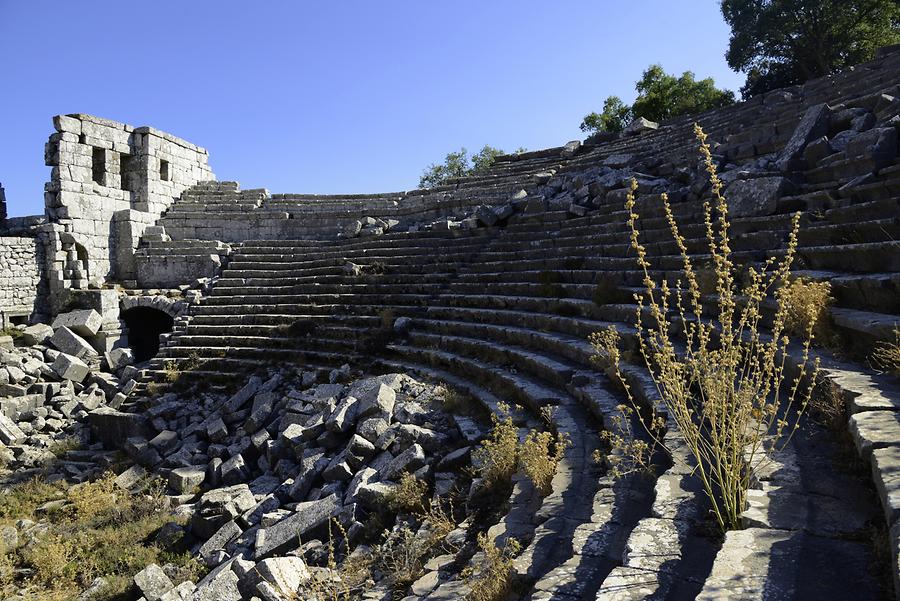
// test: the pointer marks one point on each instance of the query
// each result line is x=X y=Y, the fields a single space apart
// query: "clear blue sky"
x=327 y=97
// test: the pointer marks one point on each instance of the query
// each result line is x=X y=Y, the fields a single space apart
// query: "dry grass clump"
x=497 y=457
x=408 y=496
x=501 y=454
x=886 y=355
x=335 y=582
x=724 y=384
x=808 y=302
x=455 y=402
x=97 y=530
x=400 y=557
x=492 y=580
x=62 y=446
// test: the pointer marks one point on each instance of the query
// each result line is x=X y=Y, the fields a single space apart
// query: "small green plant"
x=13 y=332
x=171 y=373
x=725 y=385
x=539 y=456
x=492 y=578
x=455 y=402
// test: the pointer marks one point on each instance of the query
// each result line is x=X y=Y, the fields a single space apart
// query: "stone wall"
x=22 y=291
x=108 y=183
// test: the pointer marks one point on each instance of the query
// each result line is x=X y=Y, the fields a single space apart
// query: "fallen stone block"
x=640 y=126
x=10 y=433
x=113 y=427
x=813 y=125
x=39 y=333
x=217 y=542
x=376 y=400
x=70 y=343
x=119 y=358
x=84 y=322
x=285 y=535
x=756 y=197
x=283 y=574
x=187 y=479
x=153 y=582
x=243 y=395
x=70 y=368
x=408 y=461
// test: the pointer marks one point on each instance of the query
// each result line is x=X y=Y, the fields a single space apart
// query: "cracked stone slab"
x=874 y=430
x=762 y=564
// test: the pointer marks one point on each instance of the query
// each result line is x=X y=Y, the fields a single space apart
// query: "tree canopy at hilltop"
x=459 y=164
x=784 y=42
x=660 y=96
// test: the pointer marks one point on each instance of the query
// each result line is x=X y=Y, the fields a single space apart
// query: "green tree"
x=615 y=116
x=785 y=42
x=660 y=96
x=459 y=164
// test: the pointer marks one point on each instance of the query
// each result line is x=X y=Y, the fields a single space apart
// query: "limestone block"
x=153 y=582
x=39 y=333
x=10 y=433
x=284 y=574
x=119 y=357
x=282 y=536
x=70 y=343
x=63 y=123
x=813 y=125
x=84 y=322
x=640 y=126
x=755 y=197
x=70 y=368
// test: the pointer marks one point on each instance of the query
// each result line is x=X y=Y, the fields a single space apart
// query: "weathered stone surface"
x=408 y=461
x=70 y=368
x=284 y=574
x=243 y=395
x=776 y=564
x=84 y=322
x=114 y=427
x=756 y=197
x=187 y=479
x=10 y=433
x=814 y=124
x=153 y=582
x=875 y=429
x=224 y=535
x=38 y=333
x=67 y=341
x=640 y=126
x=377 y=400
x=284 y=535
x=886 y=475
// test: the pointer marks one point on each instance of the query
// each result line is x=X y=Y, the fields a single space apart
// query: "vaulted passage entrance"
x=145 y=324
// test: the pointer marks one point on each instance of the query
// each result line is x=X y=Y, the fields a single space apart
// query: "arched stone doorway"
x=145 y=324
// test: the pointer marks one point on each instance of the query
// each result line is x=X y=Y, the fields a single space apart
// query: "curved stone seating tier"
x=504 y=313
x=762 y=125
